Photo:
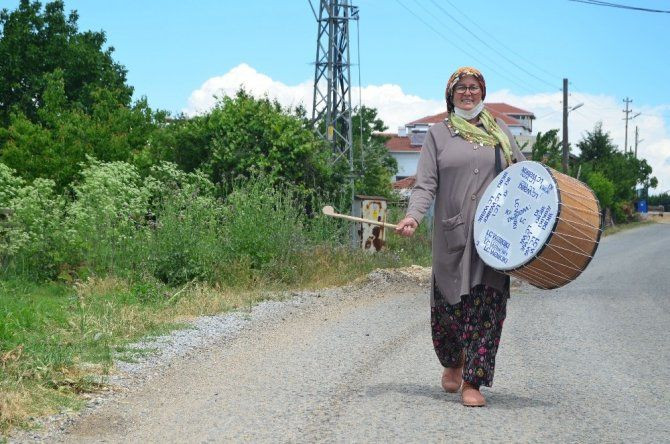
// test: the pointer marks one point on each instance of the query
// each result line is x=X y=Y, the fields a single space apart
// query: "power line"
x=618 y=5
x=484 y=42
x=432 y=28
x=497 y=40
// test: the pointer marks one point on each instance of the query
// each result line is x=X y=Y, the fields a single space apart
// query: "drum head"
x=516 y=215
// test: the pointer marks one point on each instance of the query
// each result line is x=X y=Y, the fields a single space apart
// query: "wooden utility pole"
x=627 y=111
x=566 y=150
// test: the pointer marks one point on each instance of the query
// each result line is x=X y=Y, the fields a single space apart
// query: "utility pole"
x=331 y=108
x=627 y=111
x=566 y=149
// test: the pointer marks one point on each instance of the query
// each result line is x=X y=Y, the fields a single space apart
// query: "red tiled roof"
x=508 y=109
x=396 y=143
x=407 y=182
x=437 y=118
x=509 y=121
x=497 y=109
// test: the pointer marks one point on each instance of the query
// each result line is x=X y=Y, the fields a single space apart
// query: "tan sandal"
x=452 y=377
x=471 y=396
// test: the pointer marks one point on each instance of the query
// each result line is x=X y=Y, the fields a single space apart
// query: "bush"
x=41 y=240
x=32 y=241
x=184 y=241
x=108 y=214
x=263 y=225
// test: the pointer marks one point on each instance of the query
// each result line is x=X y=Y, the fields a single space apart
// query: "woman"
x=459 y=158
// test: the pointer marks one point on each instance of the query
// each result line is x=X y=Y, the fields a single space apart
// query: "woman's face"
x=467 y=93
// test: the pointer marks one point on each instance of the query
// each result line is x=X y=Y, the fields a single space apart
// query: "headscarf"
x=492 y=134
x=458 y=75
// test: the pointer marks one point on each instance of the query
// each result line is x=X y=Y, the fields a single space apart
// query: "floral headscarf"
x=458 y=75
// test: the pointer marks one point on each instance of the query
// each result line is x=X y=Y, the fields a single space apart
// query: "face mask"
x=469 y=115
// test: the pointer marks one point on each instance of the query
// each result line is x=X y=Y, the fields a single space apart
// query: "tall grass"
x=123 y=256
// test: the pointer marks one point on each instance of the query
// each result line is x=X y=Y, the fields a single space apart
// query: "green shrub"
x=107 y=216
x=41 y=239
x=263 y=225
x=602 y=187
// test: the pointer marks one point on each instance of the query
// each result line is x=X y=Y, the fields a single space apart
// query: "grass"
x=627 y=226
x=58 y=341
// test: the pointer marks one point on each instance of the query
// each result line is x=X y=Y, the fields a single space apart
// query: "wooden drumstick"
x=330 y=211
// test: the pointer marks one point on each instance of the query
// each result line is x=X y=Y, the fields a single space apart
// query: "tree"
x=547 y=149
x=57 y=144
x=596 y=145
x=599 y=155
x=373 y=165
x=34 y=44
x=243 y=136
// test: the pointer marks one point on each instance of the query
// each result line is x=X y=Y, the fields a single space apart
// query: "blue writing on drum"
x=496 y=246
x=516 y=216
x=529 y=242
x=529 y=190
x=490 y=209
x=547 y=187
x=543 y=216
x=529 y=175
x=504 y=179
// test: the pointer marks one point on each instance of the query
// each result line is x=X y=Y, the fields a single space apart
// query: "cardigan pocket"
x=454 y=232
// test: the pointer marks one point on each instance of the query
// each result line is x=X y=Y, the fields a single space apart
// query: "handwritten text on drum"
x=496 y=246
x=493 y=204
x=516 y=216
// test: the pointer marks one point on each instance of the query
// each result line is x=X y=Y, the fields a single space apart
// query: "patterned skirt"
x=468 y=333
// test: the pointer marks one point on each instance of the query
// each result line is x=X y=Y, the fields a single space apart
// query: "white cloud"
x=396 y=108
x=204 y=98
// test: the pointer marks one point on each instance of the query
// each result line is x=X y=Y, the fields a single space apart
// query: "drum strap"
x=498 y=160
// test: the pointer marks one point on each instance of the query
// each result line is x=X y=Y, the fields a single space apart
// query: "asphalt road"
x=589 y=362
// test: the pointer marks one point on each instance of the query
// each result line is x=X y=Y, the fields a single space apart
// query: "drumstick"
x=330 y=211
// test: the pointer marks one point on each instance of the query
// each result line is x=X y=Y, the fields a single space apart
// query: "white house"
x=405 y=146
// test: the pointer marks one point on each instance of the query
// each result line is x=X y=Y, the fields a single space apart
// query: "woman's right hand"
x=407 y=226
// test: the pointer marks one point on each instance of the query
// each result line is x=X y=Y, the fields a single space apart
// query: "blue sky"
x=408 y=48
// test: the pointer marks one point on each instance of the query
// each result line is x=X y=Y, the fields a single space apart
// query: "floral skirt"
x=473 y=327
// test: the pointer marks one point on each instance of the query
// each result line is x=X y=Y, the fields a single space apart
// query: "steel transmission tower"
x=331 y=110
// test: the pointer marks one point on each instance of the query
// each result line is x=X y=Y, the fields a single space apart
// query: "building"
x=405 y=146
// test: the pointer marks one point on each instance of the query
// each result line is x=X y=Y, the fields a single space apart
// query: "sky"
x=180 y=54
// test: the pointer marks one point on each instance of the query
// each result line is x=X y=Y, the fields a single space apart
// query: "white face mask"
x=469 y=115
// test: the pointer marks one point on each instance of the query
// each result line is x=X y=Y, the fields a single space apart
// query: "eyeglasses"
x=474 y=89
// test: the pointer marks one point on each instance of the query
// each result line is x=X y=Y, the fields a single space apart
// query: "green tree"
x=596 y=145
x=373 y=165
x=56 y=145
x=625 y=172
x=547 y=149
x=244 y=135
x=35 y=43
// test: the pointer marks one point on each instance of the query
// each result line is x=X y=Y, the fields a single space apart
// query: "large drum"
x=537 y=224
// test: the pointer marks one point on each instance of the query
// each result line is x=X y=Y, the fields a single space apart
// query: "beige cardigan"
x=456 y=172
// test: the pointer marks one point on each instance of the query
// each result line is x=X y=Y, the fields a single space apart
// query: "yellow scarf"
x=493 y=135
